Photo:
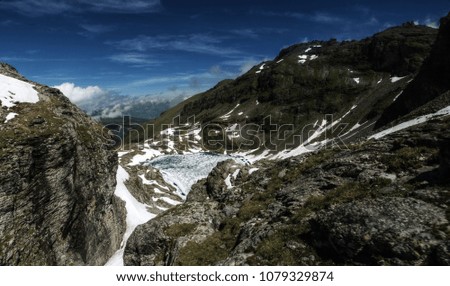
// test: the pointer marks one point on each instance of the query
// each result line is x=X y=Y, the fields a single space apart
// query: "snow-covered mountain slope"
x=307 y=95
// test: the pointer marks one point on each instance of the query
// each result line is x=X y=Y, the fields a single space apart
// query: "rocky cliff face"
x=431 y=82
x=57 y=179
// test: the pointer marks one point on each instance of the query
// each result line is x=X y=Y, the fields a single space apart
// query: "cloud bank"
x=99 y=102
x=78 y=94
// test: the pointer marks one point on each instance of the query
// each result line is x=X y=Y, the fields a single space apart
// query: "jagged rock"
x=57 y=181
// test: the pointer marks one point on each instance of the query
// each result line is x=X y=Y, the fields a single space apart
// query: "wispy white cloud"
x=12 y=59
x=431 y=23
x=325 y=18
x=100 y=102
x=53 y=7
x=97 y=28
x=194 y=82
x=246 y=66
x=428 y=22
x=180 y=79
x=16 y=59
x=120 y=6
x=195 y=43
x=317 y=17
x=37 y=7
x=7 y=23
x=243 y=65
x=246 y=33
x=135 y=59
x=372 y=21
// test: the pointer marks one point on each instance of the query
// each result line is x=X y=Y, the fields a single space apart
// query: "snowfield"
x=137 y=214
x=14 y=91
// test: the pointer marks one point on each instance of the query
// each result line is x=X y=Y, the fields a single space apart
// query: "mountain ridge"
x=304 y=83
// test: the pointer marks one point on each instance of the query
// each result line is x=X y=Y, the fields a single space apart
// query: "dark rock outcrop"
x=431 y=82
x=57 y=182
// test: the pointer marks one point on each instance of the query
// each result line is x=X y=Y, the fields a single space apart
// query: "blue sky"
x=172 y=47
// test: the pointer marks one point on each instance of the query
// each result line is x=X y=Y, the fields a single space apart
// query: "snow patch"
x=395 y=98
x=355 y=127
x=149 y=153
x=294 y=152
x=170 y=201
x=10 y=116
x=348 y=112
x=236 y=173
x=356 y=79
x=252 y=170
x=137 y=214
x=280 y=61
x=152 y=182
x=122 y=153
x=396 y=78
x=226 y=116
x=228 y=182
x=168 y=131
x=304 y=58
x=261 y=68
x=317 y=132
x=413 y=122
x=14 y=91
x=306 y=147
